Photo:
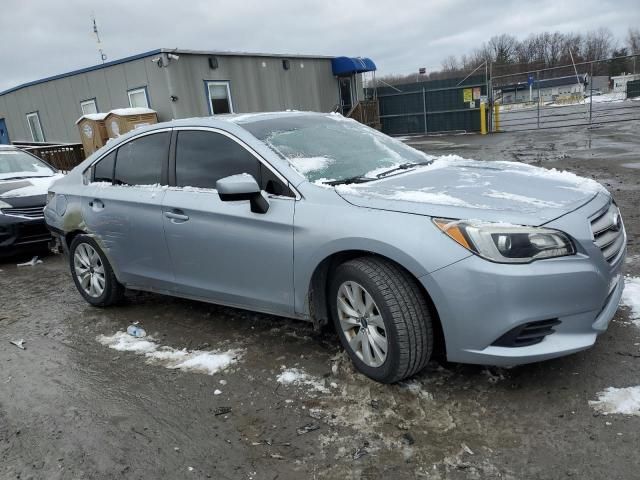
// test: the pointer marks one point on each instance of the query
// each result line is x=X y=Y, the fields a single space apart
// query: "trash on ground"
x=277 y=456
x=221 y=411
x=18 y=343
x=359 y=453
x=217 y=392
x=309 y=427
x=136 y=331
x=31 y=263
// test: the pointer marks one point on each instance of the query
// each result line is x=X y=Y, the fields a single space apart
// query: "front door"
x=125 y=215
x=4 y=133
x=346 y=95
x=222 y=251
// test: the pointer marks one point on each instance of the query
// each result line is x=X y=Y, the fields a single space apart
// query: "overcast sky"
x=44 y=37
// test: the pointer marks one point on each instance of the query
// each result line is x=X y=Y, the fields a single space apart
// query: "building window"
x=33 y=119
x=138 y=98
x=89 y=106
x=219 y=95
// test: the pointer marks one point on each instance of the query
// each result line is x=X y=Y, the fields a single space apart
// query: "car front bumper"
x=20 y=234
x=479 y=301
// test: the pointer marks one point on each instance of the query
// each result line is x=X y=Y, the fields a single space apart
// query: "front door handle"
x=176 y=216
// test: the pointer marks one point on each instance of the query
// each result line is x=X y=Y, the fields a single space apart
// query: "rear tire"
x=394 y=309
x=92 y=273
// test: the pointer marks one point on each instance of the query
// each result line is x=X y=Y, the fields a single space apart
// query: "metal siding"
x=253 y=88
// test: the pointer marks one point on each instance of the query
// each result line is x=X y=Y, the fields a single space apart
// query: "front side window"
x=89 y=106
x=219 y=97
x=140 y=161
x=103 y=170
x=203 y=158
x=138 y=98
x=33 y=119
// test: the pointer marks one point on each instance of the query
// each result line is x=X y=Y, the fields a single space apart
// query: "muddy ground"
x=71 y=408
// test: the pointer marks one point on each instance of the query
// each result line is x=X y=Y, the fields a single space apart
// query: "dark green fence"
x=432 y=106
x=633 y=89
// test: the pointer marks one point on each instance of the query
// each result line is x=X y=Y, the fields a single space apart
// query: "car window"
x=103 y=170
x=202 y=158
x=140 y=161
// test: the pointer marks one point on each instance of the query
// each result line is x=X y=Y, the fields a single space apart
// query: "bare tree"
x=502 y=48
x=633 y=41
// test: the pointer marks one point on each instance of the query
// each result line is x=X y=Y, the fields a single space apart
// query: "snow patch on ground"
x=521 y=199
x=298 y=377
x=200 y=361
x=631 y=297
x=625 y=401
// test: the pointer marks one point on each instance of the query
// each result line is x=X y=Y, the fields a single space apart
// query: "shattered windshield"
x=330 y=148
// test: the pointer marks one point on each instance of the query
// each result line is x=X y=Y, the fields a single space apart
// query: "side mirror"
x=242 y=187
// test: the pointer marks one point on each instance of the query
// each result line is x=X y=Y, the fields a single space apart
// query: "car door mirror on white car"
x=242 y=187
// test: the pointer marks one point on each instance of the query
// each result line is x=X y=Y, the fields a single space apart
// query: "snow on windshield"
x=15 y=163
x=330 y=146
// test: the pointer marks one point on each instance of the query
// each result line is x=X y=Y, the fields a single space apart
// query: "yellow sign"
x=467 y=95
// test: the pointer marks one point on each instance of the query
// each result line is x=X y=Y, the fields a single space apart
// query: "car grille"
x=608 y=232
x=29 y=212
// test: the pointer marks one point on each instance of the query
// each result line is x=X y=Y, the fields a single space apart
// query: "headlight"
x=50 y=196
x=507 y=243
x=4 y=204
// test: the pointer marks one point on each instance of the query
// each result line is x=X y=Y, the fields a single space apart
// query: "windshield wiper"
x=348 y=180
x=404 y=166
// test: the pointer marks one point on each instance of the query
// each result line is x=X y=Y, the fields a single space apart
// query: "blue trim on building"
x=84 y=70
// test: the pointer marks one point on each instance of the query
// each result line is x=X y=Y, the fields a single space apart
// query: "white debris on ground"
x=631 y=298
x=199 y=361
x=31 y=263
x=298 y=377
x=625 y=401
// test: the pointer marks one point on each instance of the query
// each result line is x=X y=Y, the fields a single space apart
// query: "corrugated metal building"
x=180 y=84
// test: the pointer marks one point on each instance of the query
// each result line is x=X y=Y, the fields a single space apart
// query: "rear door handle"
x=181 y=217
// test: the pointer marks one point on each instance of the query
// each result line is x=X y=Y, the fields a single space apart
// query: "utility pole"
x=103 y=56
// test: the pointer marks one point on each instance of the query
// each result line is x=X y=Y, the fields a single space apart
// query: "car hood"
x=452 y=187
x=26 y=191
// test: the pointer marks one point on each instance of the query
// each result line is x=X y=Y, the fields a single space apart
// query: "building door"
x=4 y=134
x=346 y=95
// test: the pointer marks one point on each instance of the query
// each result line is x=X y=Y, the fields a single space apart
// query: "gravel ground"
x=71 y=408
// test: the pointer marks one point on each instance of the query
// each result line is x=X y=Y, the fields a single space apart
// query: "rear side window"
x=203 y=158
x=140 y=161
x=103 y=170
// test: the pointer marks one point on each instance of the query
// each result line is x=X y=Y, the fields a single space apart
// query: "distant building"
x=181 y=84
x=549 y=89
x=619 y=82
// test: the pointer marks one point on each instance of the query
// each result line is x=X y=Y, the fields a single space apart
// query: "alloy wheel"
x=362 y=324
x=89 y=270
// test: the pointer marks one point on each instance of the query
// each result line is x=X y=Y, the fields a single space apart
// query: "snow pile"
x=298 y=377
x=522 y=199
x=309 y=164
x=571 y=180
x=425 y=196
x=200 y=361
x=625 y=401
x=631 y=297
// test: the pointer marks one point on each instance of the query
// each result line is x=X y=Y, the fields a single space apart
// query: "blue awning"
x=350 y=65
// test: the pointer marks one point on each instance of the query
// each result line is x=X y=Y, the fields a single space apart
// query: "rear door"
x=221 y=250
x=123 y=208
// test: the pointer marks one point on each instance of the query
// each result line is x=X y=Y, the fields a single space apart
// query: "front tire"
x=382 y=318
x=92 y=273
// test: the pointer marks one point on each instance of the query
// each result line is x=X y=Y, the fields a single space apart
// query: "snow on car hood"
x=26 y=187
x=493 y=191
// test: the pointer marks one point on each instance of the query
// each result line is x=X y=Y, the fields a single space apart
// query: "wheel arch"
x=317 y=301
